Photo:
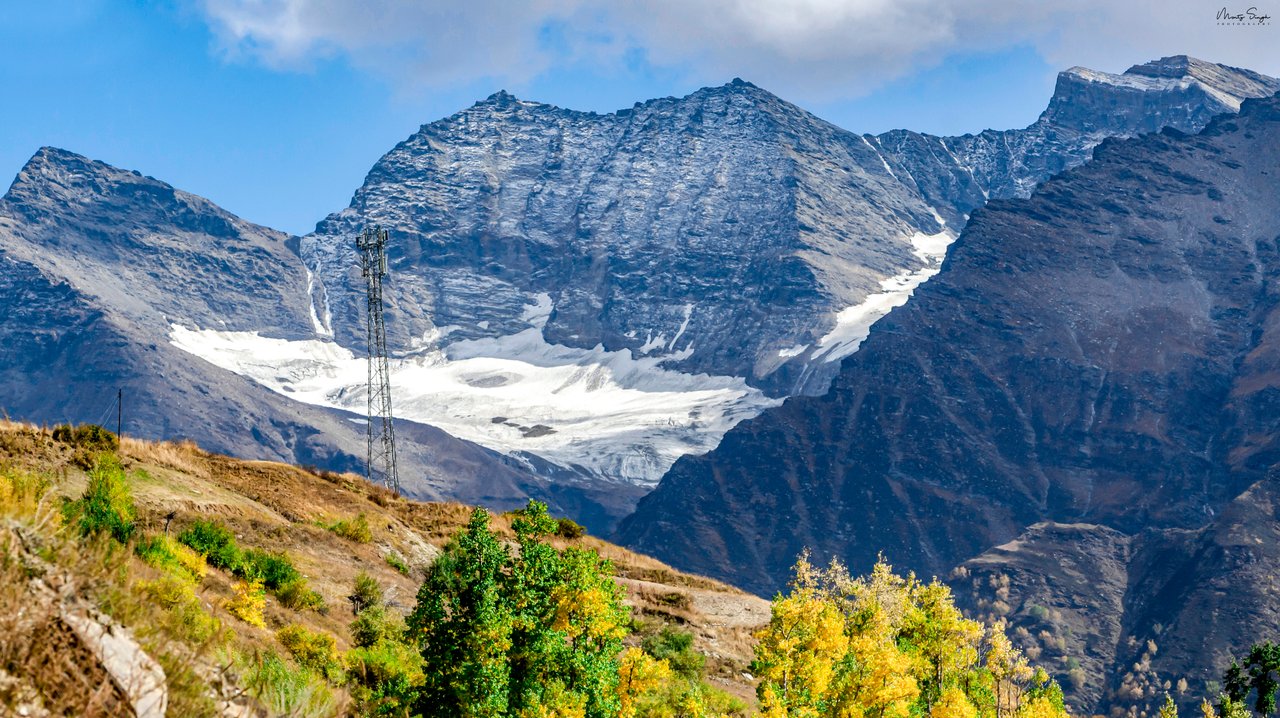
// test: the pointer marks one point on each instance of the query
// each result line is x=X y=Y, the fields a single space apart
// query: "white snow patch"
x=854 y=323
x=539 y=312
x=324 y=328
x=619 y=417
x=652 y=343
x=688 y=314
x=794 y=351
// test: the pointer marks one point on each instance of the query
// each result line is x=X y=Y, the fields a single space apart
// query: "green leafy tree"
x=463 y=627
x=527 y=633
x=1258 y=675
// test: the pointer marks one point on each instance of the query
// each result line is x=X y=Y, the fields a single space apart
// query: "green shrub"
x=216 y=543
x=676 y=648
x=569 y=529
x=384 y=679
x=299 y=596
x=376 y=625
x=396 y=561
x=274 y=569
x=315 y=650
x=356 y=529
x=106 y=505
x=87 y=436
x=284 y=689
x=366 y=593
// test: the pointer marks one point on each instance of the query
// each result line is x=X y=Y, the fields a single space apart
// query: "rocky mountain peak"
x=54 y=179
x=55 y=172
x=1179 y=91
x=501 y=98
x=1173 y=66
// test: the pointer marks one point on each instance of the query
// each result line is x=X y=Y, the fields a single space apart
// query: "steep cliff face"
x=1102 y=352
x=1121 y=619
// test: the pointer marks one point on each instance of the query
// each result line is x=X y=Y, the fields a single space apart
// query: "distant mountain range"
x=581 y=298
x=1077 y=421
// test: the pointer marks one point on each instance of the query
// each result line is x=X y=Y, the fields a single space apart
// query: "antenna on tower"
x=372 y=244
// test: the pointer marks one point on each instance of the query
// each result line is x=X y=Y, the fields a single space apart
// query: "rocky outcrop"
x=958 y=174
x=73 y=659
x=1103 y=352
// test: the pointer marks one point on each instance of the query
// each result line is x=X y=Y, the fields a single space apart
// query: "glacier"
x=612 y=415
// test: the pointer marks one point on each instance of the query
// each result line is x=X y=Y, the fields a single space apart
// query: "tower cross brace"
x=381 y=466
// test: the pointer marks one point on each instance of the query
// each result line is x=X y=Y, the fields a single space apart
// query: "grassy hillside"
x=330 y=527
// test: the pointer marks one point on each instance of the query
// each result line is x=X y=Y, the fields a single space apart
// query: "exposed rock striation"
x=1122 y=619
x=98 y=264
x=724 y=231
x=1105 y=352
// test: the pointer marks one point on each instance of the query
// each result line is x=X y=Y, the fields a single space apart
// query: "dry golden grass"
x=182 y=456
x=280 y=507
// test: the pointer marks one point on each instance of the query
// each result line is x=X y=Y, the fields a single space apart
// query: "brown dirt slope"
x=281 y=507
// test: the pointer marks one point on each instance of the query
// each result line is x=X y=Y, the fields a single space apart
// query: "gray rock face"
x=96 y=266
x=724 y=231
x=1118 y=616
x=154 y=254
x=1103 y=352
x=719 y=229
x=958 y=174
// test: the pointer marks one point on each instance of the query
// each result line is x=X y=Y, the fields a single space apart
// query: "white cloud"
x=805 y=49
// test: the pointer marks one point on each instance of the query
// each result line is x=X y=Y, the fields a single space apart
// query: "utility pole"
x=119 y=413
x=381 y=466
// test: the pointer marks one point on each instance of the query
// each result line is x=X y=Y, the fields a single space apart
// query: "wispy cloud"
x=810 y=49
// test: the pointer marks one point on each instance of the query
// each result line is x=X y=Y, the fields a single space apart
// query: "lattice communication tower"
x=372 y=244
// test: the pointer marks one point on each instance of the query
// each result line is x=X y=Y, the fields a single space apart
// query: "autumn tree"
x=888 y=646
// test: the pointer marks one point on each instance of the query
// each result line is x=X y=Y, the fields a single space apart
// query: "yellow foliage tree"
x=248 y=603
x=888 y=646
x=638 y=674
x=953 y=703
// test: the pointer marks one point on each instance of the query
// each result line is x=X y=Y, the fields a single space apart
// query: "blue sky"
x=281 y=125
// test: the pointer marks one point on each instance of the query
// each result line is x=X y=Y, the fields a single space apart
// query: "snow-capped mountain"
x=611 y=292
x=98 y=266
x=591 y=296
